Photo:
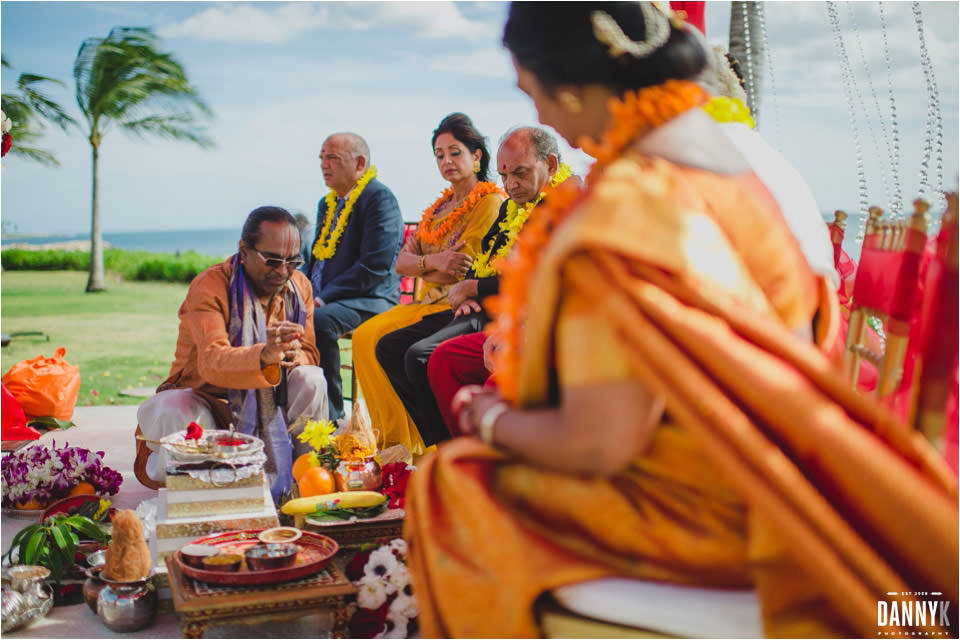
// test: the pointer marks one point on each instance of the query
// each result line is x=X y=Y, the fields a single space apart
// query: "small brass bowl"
x=225 y=562
x=271 y=556
x=279 y=535
x=193 y=554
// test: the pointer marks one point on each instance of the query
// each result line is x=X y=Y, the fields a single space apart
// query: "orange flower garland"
x=435 y=236
x=638 y=113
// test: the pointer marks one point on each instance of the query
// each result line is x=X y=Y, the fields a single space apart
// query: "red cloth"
x=454 y=364
x=14 y=422
x=694 y=11
x=950 y=430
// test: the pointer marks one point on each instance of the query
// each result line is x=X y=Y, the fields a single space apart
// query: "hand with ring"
x=282 y=345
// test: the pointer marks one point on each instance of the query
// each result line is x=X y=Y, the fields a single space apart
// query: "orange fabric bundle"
x=45 y=386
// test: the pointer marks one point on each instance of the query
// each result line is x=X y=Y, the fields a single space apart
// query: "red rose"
x=354 y=568
x=194 y=431
x=366 y=623
x=5 y=146
x=395 y=476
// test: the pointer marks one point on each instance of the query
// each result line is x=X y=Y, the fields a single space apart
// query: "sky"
x=281 y=76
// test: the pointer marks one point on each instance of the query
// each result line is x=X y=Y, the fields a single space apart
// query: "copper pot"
x=358 y=475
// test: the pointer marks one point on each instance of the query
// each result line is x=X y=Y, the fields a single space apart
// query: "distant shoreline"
x=210 y=242
x=67 y=245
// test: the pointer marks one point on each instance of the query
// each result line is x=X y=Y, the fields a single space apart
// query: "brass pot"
x=358 y=475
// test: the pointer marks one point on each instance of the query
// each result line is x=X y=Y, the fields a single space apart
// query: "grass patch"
x=121 y=338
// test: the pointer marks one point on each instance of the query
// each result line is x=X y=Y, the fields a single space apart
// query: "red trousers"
x=456 y=363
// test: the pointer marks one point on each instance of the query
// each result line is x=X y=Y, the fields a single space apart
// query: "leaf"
x=55 y=564
x=62 y=536
x=50 y=423
x=32 y=548
x=88 y=527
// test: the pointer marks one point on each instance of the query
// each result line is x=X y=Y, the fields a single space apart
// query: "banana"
x=340 y=499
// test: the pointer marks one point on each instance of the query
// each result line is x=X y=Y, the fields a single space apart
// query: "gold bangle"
x=422 y=264
x=489 y=420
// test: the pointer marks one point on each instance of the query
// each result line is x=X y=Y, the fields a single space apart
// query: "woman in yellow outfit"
x=440 y=253
x=663 y=412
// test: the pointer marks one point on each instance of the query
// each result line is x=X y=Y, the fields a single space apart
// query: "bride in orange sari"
x=663 y=412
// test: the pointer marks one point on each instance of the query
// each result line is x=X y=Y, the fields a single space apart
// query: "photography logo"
x=915 y=614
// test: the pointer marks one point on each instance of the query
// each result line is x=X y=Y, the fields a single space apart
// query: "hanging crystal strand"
x=933 y=140
x=876 y=101
x=847 y=79
x=748 y=55
x=762 y=18
x=896 y=206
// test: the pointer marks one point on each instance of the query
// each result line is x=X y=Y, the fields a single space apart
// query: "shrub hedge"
x=132 y=265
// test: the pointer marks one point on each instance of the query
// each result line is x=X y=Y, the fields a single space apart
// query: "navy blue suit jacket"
x=360 y=274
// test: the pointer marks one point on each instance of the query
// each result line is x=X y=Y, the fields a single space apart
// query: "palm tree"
x=27 y=110
x=124 y=80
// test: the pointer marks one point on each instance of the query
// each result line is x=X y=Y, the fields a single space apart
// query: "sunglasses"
x=276 y=263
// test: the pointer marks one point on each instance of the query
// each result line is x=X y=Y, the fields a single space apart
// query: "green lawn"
x=121 y=338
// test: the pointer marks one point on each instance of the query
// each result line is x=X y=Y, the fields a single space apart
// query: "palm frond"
x=173 y=127
x=32 y=153
x=124 y=80
x=46 y=107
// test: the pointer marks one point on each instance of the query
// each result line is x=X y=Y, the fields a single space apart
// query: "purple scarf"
x=248 y=327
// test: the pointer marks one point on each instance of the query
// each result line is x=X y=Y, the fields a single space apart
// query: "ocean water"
x=209 y=242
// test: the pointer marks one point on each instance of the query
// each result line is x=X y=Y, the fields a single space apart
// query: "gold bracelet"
x=488 y=420
x=422 y=264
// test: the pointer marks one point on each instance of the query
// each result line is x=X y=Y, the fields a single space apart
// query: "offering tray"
x=179 y=447
x=316 y=552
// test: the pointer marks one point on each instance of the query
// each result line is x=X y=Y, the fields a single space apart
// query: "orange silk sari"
x=767 y=471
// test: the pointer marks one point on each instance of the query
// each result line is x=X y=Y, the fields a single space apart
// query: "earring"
x=476 y=166
x=570 y=102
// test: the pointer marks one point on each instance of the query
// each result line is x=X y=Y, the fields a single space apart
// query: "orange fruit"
x=82 y=488
x=316 y=481
x=301 y=464
x=30 y=504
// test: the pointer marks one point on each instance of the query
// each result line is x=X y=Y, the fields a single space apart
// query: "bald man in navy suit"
x=351 y=270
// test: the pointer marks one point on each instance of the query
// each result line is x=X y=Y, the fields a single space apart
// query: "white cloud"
x=492 y=63
x=280 y=23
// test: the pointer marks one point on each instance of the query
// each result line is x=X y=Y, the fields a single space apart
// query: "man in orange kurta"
x=208 y=364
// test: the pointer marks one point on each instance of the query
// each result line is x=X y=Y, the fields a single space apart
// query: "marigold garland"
x=511 y=224
x=434 y=236
x=326 y=245
x=724 y=109
x=638 y=112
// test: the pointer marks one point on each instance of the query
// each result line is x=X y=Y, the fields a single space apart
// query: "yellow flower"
x=327 y=238
x=102 y=508
x=317 y=434
x=724 y=109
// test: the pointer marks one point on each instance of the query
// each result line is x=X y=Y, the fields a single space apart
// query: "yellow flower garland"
x=512 y=223
x=326 y=245
x=724 y=109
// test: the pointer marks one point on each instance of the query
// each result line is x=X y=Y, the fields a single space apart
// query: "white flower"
x=371 y=593
x=381 y=564
x=7 y=123
x=404 y=605
x=394 y=627
x=398 y=578
x=400 y=546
